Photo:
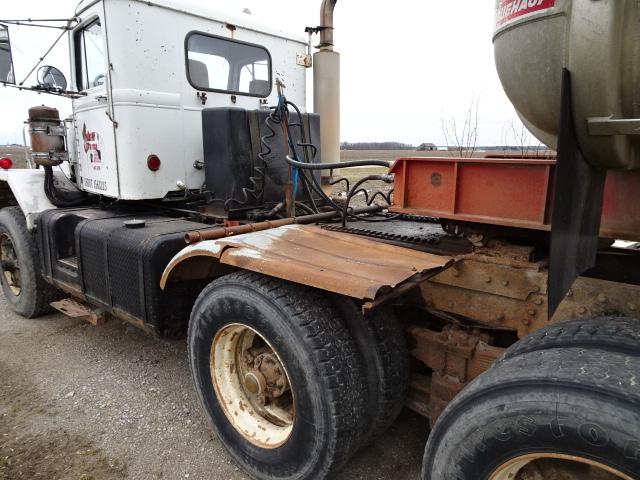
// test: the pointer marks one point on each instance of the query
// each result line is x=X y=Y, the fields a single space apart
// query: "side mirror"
x=7 y=74
x=51 y=78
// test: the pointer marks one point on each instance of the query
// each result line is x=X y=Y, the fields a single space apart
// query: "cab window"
x=223 y=65
x=6 y=62
x=90 y=57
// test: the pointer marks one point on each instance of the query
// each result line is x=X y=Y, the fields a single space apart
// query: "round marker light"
x=6 y=163
x=153 y=162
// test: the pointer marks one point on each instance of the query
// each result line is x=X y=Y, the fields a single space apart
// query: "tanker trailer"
x=571 y=70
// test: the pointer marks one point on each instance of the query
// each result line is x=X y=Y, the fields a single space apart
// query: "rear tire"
x=21 y=276
x=300 y=327
x=559 y=408
x=610 y=333
x=383 y=351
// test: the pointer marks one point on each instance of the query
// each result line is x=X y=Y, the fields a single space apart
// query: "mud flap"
x=577 y=207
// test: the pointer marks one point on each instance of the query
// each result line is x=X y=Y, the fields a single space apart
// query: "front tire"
x=555 y=413
x=278 y=376
x=20 y=274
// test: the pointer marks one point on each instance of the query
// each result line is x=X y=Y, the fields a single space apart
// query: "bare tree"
x=463 y=140
x=519 y=134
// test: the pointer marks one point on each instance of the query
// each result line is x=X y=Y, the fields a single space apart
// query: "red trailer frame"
x=512 y=192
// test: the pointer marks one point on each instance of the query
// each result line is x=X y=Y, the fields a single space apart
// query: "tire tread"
x=611 y=333
x=600 y=374
x=329 y=344
x=43 y=293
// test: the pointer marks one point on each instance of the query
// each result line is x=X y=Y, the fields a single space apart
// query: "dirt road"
x=80 y=402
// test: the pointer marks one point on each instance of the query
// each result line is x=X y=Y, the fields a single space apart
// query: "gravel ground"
x=87 y=403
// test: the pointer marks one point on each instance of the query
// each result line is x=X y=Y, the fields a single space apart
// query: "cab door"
x=94 y=124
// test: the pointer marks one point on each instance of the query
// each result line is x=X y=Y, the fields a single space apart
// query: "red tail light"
x=153 y=162
x=6 y=163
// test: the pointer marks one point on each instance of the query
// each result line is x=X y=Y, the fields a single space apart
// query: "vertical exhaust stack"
x=326 y=89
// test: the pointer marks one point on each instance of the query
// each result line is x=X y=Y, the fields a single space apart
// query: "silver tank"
x=599 y=42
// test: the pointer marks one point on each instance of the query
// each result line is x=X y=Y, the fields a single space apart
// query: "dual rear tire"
x=561 y=404
x=283 y=375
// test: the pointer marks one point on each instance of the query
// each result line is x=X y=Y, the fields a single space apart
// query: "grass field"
x=395 y=154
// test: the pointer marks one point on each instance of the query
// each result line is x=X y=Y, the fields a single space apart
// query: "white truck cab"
x=147 y=69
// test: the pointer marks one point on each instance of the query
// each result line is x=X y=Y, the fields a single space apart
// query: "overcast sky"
x=406 y=65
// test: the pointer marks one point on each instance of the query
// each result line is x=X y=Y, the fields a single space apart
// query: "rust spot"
x=456 y=356
x=436 y=179
x=306 y=255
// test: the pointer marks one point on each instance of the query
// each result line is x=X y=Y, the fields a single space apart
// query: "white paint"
x=148 y=96
x=227 y=375
x=95 y=156
x=28 y=188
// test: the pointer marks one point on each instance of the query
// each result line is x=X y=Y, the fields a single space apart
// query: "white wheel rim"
x=515 y=469
x=252 y=386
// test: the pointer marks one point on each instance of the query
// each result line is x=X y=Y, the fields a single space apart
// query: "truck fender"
x=7 y=198
x=195 y=262
x=309 y=255
x=25 y=188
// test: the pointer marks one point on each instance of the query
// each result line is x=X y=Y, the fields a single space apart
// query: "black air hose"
x=59 y=198
x=335 y=166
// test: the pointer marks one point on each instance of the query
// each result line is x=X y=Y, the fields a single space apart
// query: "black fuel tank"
x=232 y=142
x=95 y=253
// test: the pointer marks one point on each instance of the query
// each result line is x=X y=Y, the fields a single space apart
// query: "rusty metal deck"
x=308 y=255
